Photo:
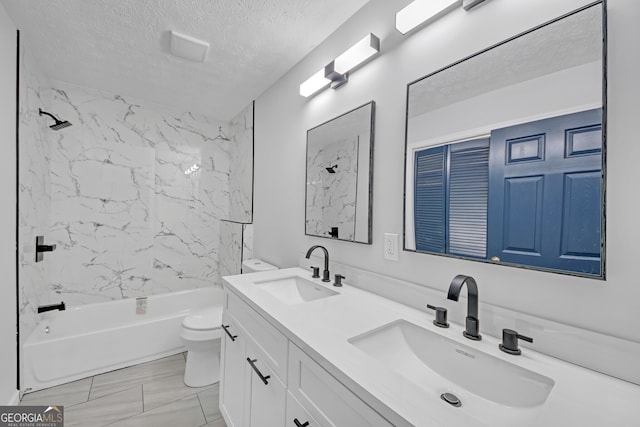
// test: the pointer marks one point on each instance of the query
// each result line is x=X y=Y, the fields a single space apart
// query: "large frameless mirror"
x=339 y=176
x=504 y=151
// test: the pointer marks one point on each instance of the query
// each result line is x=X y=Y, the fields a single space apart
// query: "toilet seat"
x=207 y=319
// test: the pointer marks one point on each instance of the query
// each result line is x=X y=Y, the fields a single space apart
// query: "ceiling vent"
x=188 y=47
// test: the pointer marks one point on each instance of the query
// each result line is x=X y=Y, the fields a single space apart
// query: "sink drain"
x=451 y=399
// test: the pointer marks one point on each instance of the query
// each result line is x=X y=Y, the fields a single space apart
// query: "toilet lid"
x=206 y=319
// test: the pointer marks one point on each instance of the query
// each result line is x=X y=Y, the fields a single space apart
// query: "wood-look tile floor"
x=149 y=394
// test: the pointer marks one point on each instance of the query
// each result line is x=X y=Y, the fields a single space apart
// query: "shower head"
x=221 y=136
x=332 y=169
x=59 y=124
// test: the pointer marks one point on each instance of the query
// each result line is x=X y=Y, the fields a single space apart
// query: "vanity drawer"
x=297 y=416
x=270 y=341
x=324 y=397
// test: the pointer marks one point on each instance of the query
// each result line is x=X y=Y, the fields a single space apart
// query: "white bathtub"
x=96 y=338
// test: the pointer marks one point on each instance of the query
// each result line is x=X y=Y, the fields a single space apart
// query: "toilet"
x=256 y=265
x=201 y=334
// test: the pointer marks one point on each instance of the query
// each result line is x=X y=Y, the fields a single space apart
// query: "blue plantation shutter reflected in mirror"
x=468 y=198
x=430 y=200
x=451 y=191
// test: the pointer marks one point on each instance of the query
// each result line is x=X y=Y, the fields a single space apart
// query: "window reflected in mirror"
x=504 y=152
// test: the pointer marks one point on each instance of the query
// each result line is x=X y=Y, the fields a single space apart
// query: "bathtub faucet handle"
x=41 y=248
x=50 y=307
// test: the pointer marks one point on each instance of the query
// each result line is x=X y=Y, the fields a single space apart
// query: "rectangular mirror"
x=504 y=151
x=339 y=176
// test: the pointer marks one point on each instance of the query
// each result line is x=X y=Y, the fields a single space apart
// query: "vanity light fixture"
x=421 y=12
x=314 y=84
x=336 y=72
x=357 y=54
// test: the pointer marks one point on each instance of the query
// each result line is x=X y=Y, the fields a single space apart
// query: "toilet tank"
x=255 y=265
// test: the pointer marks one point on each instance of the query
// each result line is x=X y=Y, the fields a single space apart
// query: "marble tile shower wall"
x=241 y=178
x=230 y=247
x=247 y=242
x=236 y=245
x=137 y=194
x=331 y=196
x=34 y=190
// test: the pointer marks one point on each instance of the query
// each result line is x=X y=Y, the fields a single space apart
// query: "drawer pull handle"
x=298 y=424
x=233 y=337
x=255 y=368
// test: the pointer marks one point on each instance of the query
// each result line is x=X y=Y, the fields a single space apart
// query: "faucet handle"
x=510 y=341
x=338 y=281
x=316 y=272
x=441 y=316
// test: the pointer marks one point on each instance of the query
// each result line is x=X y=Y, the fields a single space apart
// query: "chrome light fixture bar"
x=421 y=12
x=336 y=72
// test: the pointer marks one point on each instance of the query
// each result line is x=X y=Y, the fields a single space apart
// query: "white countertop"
x=322 y=328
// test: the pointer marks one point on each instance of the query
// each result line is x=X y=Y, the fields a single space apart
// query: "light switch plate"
x=391 y=246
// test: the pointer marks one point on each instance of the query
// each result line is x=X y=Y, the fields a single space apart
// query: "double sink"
x=459 y=374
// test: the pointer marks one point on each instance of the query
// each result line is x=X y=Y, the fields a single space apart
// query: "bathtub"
x=92 y=339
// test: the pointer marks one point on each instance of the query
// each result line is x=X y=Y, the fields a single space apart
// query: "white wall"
x=8 y=355
x=283 y=116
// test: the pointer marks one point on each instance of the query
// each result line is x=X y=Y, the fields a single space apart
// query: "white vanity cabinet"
x=253 y=368
x=268 y=381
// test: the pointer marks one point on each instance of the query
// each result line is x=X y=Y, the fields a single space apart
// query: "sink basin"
x=295 y=289
x=442 y=364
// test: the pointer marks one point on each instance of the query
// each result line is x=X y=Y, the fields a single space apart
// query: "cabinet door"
x=268 y=393
x=325 y=398
x=233 y=371
x=269 y=340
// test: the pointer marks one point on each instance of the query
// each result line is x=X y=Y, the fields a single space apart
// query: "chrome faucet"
x=325 y=272
x=472 y=324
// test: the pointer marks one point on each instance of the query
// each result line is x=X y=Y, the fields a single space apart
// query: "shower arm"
x=50 y=115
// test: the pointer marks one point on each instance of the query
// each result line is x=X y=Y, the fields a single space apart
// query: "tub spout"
x=50 y=307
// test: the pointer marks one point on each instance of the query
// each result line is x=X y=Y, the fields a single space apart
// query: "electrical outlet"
x=391 y=246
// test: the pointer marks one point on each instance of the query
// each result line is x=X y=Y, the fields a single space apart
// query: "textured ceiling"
x=122 y=46
x=569 y=42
